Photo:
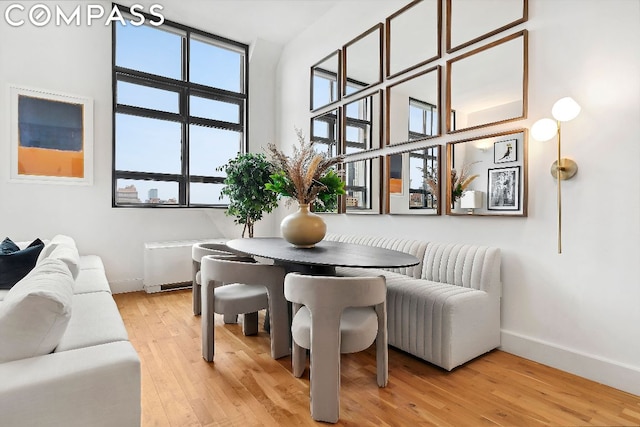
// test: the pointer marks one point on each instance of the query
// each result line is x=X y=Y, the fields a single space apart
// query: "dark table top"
x=325 y=253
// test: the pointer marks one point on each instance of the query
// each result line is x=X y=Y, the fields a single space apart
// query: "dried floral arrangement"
x=460 y=181
x=307 y=175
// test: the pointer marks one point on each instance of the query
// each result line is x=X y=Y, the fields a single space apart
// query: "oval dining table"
x=324 y=257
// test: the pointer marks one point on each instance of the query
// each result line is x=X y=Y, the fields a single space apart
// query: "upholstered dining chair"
x=333 y=315
x=234 y=284
x=198 y=250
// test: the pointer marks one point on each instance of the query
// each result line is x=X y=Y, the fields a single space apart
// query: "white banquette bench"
x=65 y=357
x=446 y=309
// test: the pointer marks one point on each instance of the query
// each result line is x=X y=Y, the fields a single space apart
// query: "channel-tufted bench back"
x=469 y=266
x=413 y=247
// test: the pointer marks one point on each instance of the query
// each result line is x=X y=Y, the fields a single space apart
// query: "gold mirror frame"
x=362 y=60
x=491 y=82
x=370 y=169
x=403 y=104
x=320 y=68
x=413 y=36
x=501 y=162
x=476 y=17
x=400 y=199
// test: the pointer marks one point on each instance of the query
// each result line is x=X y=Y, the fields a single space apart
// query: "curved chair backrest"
x=334 y=293
x=199 y=250
x=220 y=269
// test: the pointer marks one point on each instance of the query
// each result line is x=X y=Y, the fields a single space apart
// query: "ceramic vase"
x=303 y=229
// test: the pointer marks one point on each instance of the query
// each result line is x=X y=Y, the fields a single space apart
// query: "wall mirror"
x=325 y=78
x=499 y=164
x=469 y=21
x=413 y=108
x=488 y=85
x=413 y=181
x=362 y=61
x=363 y=185
x=413 y=36
x=324 y=132
x=362 y=124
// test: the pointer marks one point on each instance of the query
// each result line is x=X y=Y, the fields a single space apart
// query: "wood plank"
x=244 y=386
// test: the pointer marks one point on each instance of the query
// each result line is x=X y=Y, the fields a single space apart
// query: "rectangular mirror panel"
x=362 y=124
x=324 y=132
x=362 y=185
x=414 y=181
x=325 y=76
x=413 y=108
x=488 y=85
x=470 y=21
x=488 y=175
x=413 y=36
x=363 y=61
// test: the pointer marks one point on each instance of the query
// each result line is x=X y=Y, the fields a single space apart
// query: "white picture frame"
x=503 y=189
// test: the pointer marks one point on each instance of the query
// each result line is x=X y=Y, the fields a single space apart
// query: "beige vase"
x=303 y=229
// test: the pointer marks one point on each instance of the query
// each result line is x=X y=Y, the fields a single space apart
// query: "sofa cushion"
x=96 y=320
x=36 y=311
x=15 y=264
x=91 y=280
x=63 y=248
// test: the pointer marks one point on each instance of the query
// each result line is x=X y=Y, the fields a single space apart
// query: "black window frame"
x=185 y=90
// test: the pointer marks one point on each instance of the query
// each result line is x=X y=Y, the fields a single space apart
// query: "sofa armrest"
x=91 y=386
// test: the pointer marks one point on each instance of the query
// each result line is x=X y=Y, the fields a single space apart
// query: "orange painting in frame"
x=52 y=137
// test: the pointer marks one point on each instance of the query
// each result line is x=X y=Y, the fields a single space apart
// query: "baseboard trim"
x=124 y=286
x=604 y=371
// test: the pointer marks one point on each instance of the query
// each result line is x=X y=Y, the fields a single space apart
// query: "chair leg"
x=298 y=359
x=230 y=318
x=250 y=323
x=197 y=300
x=207 y=322
x=325 y=371
x=382 y=347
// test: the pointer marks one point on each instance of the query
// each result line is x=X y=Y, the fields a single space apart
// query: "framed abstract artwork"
x=503 y=192
x=51 y=137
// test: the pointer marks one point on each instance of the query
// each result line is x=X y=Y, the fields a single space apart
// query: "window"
x=180 y=112
x=423 y=119
x=423 y=164
x=358 y=125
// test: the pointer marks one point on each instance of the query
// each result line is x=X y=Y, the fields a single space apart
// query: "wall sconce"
x=563 y=110
x=471 y=200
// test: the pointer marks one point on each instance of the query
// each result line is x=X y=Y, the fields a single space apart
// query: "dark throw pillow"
x=16 y=264
x=7 y=247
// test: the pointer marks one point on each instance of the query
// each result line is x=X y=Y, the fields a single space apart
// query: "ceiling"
x=277 y=21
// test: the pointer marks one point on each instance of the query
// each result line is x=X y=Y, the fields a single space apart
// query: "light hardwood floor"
x=246 y=387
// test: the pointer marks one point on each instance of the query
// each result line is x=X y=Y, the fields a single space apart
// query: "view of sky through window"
x=154 y=144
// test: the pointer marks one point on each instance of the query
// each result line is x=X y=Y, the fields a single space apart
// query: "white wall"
x=77 y=60
x=578 y=311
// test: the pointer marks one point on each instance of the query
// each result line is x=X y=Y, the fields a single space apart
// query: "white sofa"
x=92 y=377
x=446 y=309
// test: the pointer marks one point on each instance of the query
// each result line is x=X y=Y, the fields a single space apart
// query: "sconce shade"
x=544 y=129
x=565 y=109
x=471 y=200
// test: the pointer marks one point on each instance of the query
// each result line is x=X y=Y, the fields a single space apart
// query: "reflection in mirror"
x=324 y=81
x=363 y=61
x=488 y=175
x=413 y=110
x=488 y=85
x=362 y=124
x=362 y=185
x=413 y=36
x=324 y=132
x=469 y=21
x=414 y=181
